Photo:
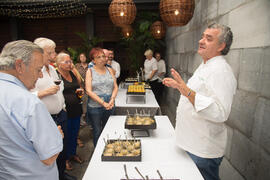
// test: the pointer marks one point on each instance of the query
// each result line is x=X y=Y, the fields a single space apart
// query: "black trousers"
x=61 y=120
x=155 y=88
x=159 y=92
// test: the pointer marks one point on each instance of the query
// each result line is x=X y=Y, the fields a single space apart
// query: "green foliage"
x=85 y=47
x=141 y=39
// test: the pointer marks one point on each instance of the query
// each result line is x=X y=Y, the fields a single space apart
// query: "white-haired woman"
x=74 y=109
x=150 y=70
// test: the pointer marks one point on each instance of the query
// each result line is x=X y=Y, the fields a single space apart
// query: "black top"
x=73 y=106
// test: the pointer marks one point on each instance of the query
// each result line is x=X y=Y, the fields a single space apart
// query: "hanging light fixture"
x=122 y=12
x=176 y=12
x=127 y=31
x=158 y=30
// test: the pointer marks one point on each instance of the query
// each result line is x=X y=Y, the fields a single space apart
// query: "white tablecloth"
x=158 y=152
x=121 y=106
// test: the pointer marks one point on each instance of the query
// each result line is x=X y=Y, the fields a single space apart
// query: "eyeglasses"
x=99 y=57
x=66 y=62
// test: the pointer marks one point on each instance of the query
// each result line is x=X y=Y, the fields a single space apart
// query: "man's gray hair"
x=226 y=36
x=44 y=42
x=14 y=50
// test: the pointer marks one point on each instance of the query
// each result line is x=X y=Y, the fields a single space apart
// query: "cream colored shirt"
x=200 y=129
x=56 y=102
x=161 y=69
x=149 y=66
x=116 y=67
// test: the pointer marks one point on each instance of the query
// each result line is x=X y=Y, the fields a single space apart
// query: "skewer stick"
x=161 y=178
x=139 y=173
x=105 y=141
x=125 y=169
x=147 y=178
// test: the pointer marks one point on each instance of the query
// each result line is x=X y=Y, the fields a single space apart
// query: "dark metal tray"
x=144 y=127
x=122 y=158
x=135 y=93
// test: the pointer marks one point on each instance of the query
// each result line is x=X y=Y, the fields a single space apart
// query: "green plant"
x=85 y=47
x=141 y=39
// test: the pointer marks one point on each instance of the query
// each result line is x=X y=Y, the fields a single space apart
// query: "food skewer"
x=125 y=169
x=105 y=141
x=139 y=173
x=161 y=178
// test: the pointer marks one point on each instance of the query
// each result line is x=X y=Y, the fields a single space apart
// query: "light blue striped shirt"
x=28 y=134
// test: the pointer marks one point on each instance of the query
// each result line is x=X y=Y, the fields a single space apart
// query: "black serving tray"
x=141 y=127
x=135 y=93
x=122 y=158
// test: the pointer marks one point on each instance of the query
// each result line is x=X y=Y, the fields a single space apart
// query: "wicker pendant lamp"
x=122 y=12
x=176 y=12
x=158 y=30
x=127 y=31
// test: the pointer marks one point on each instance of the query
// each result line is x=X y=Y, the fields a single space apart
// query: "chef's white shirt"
x=200 y=129
x=149 y=66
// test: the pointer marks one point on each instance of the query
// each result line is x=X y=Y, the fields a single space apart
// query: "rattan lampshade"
x=127 y=31
x=122 y=12
x=158 y=30
x=176 y=12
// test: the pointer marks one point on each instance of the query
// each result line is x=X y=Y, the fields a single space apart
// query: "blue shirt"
x=28 y=134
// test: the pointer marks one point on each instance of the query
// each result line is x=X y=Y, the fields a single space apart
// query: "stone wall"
x=248 y=150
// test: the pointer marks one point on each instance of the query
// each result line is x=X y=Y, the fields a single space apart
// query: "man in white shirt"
x=115 y=65
x=205 y=102
x=52 y=96
x=150 y=71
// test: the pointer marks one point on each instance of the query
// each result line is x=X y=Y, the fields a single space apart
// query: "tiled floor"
x=85 y=153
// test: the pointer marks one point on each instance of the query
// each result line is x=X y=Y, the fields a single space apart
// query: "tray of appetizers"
x=122 y=150
x=140 y=122
x=136 y=90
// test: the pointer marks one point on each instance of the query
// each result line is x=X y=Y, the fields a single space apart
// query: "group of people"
x=40 y=110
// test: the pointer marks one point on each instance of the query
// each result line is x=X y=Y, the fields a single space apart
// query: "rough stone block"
x=229 y=143
x=250 y=70
x=184 y=42
x=233 y=58
x=228 y=5
x=197 y=34
x=197 y=16
x=265 y=77
x=169 y=45
x=194 y=63
x=261 y=133
x=264 y=166
x=242 y=112
x=173 y=61
x=184 y=58
x=212 y=9
x=170 y=33
x=228 y=172
x=245 y=156
x=254 y=18
x=223 y=19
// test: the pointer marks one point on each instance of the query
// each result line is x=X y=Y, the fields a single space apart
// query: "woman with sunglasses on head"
x=102 y=89
x=74 y=109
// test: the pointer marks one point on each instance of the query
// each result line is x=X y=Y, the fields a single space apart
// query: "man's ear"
x=221 y=46
x=19 y=65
